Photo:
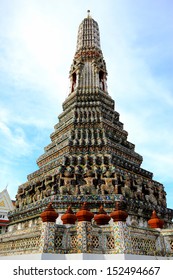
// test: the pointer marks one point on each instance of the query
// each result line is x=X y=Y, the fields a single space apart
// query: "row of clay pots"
x=84 y=214
x=101 y=218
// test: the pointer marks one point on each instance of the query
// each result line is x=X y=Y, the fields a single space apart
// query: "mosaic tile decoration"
x=121 y=237
x=47 y=239
x=86 y=237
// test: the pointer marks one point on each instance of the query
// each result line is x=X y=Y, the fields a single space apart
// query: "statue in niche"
x=19 y=200
x=89 y=187
x=112 y=169
x=48 y=191
x=69 y=171
x=78 y=170
x=40 y=185
x=56 y=183
x=73 y=86
x=29 y=196
x=67 y=188
x=25 y=200
x=162 y=198
x=118 y=183
x=107 y=187
x=96 y=169
x=49 y=180
x=104 y=168
x=101 y=80
x=126 y=188
x=151 y=197
x=108 y=174
x=138 y=184
x=29 y=199
x=38 y=195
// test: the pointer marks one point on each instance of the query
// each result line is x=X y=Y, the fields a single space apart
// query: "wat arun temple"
x=90 y=198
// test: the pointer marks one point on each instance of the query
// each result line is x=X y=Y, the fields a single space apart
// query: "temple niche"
x=73 y=82
x=89 y=181
x=102 y=81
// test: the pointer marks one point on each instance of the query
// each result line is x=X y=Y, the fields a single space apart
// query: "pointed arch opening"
x=73 y=82
x=101 y=80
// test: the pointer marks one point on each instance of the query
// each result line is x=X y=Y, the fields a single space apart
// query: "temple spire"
x=88 y=34
x=88 y=70
x=89 y=159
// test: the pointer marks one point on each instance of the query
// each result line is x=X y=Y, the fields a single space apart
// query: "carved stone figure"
x=126 y=189
x=162 y=198
x=112 y=169
x=48 y=191
x=104 y=168
x=78 y=169
x=108 y=187
x=138 y=184
x=29 y=195
x=67 y=188
x=96 y=170
x=19 y=200
x=49 y=181
x=89 y=187
x=69 y=172
x=151 y=197
x=37 y=196
x=29 y=198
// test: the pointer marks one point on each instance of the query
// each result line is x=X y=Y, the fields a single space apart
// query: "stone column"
x=156 y=223
x=122 y=238
x=47 y=238
x=84 y=230
x=84 y=238
x=121 y=231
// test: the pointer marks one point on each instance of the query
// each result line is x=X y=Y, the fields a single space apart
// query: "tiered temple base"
x=87 y=238
x=96 y=180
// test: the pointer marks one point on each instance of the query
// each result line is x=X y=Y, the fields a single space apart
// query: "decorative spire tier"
x=90 y=158
x=88 y=35
x=88 y=70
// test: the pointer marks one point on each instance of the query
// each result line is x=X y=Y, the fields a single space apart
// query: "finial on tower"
x=88 y=11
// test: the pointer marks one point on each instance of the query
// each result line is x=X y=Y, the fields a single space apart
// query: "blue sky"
x=37 y=45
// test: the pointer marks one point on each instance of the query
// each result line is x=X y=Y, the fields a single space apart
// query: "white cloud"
x=16 y=139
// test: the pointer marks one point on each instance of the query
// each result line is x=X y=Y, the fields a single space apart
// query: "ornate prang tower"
x=89 y=158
